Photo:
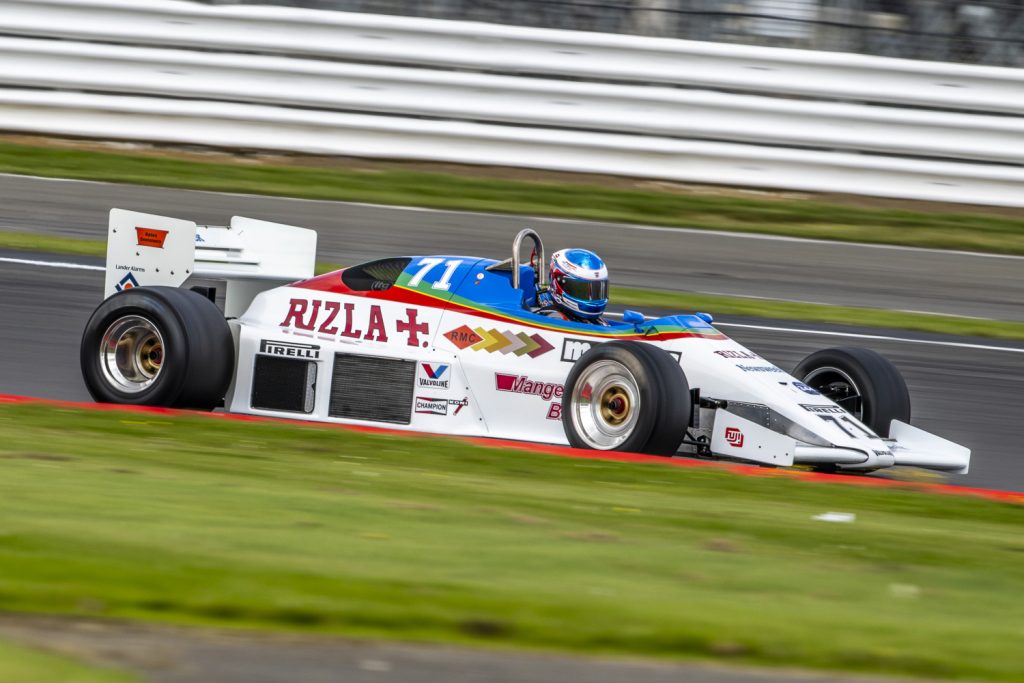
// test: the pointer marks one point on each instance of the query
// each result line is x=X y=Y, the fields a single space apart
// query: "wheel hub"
x=615 y=405
x=131 y=354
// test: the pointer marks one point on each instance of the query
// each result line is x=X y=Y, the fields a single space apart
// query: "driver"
x=578 y=287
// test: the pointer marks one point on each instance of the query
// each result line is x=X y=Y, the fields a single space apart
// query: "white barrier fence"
x=195 y=82
x=512 y=49
x=507 y=99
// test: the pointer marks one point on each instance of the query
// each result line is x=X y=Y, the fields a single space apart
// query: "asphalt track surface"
x=172 y=655
x=663 y=258
x=971 y=395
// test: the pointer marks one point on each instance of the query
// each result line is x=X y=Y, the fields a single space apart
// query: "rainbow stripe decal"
x=503 y=306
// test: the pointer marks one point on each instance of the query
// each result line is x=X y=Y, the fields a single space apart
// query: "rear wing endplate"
x=250 y=255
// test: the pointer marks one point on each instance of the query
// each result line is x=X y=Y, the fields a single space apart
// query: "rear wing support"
x=249 y=255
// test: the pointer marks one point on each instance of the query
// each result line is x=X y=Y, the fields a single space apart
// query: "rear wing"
x=251 y=256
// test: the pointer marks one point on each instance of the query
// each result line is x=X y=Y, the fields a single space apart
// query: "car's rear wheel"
x=862 y=381
x=626 y=396
x=157 y=346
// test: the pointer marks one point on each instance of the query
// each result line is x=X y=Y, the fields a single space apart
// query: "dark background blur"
x=981 y=32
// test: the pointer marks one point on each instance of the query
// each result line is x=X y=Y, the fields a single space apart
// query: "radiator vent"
x=371 y=388
x=284 y=384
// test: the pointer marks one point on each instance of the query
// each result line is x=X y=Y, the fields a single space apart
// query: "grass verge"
x=469 y=191
x=262 y=525
x=663 y=300
x=52 y=244
x=25 y=665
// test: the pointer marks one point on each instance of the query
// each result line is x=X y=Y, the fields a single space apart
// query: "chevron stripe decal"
x=528 y=344
x=542 y=346
x=517 y=343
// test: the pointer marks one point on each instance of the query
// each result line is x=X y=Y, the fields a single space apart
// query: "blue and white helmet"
x=579 y=282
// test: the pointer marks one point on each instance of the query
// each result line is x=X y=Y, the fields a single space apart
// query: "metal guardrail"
x=473 y=97
x=396 y=87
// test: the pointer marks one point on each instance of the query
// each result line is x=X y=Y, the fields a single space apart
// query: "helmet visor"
x=585 y=290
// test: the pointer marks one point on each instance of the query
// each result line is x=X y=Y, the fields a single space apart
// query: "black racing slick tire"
x=626 y=396
x=862 y=381
x=158 y=346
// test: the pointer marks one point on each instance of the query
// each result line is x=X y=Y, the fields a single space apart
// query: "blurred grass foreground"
x=26 y=665
x=199 y=520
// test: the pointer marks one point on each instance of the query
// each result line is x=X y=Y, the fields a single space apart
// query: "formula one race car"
x=449 y=344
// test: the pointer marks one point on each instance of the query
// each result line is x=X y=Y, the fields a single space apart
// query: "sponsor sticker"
x=433 y=376
x=555 y=411
x=335 y=318
x=462 y=337
x=127 y=282
x=760 y=368
x=290 y=349
x=150 y=237
x=133 y=269
x=747 y=355
x=806 y=389
x=439 y=406
x=459 y=404
x=822 y=410
x=520 y=384
x=734 y=437
x=573 y=349
x=431 y=406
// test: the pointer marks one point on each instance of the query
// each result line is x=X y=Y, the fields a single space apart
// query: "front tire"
x=158 y=346
x=862 y=381
x=626 y=396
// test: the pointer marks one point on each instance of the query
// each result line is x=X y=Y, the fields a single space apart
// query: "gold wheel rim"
x=615 y=406
x=151 y=354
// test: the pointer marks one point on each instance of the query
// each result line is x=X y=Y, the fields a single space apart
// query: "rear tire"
x=862 y=381
x=158 y=346
x=626 y=396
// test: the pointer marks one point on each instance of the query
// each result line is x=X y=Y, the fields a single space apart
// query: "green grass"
x=23 y=665
x=780 y=216
x=52 y=244
x=662 y=300
x=203 y=521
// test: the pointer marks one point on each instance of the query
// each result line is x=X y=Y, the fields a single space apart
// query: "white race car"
x=449 y=344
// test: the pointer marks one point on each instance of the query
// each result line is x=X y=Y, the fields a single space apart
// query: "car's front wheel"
x=158 y=346
x=626 y=396
x=862 y=381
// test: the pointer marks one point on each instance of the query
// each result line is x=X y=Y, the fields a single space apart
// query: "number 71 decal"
x=426 y=265
x=838 y=422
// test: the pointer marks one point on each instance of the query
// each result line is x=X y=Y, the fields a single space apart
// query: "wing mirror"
x=632 y=317
x=706 y=317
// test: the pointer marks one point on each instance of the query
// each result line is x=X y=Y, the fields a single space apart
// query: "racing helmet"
x=579 y=282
